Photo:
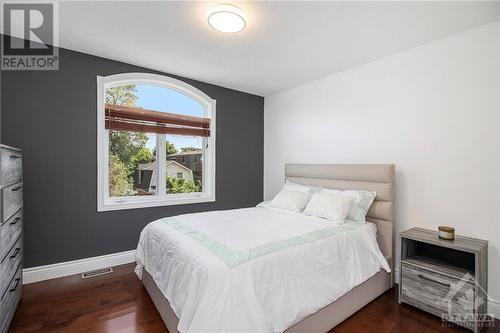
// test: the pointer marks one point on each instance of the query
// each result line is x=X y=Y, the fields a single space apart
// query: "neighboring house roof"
x=151 y=166
x=182 y=166
x=146 y=166
x=184 y=153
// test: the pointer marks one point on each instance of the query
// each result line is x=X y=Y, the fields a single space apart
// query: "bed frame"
x=374 y=177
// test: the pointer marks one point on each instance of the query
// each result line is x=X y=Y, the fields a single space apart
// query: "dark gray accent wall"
x=51 y=115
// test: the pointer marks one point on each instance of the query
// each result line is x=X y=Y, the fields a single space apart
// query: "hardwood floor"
x=118 y=303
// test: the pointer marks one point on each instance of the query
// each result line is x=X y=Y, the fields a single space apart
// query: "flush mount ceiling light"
x=226 y=18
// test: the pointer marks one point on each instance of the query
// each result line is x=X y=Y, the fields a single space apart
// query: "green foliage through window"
x=171 y=149
x=119 y=183
x=122 y=95
x=180 y=185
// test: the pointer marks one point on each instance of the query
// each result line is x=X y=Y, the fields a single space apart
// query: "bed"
x=276 y=274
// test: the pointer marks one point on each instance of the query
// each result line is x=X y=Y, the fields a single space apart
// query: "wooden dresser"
x=446 y=278
x=11 y=233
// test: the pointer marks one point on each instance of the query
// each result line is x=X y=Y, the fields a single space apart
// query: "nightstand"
x=446 y=278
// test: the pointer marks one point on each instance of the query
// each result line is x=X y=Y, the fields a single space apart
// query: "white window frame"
x=107 y=203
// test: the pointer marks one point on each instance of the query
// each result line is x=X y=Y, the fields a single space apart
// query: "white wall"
x=432 y=110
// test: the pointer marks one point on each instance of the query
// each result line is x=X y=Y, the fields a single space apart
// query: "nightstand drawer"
x=436 y=292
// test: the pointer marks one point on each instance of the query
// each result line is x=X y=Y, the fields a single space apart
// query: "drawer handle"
x=435 y=281
x=15 y=156
x=15 y=221
x=15 y=286
x=15 y=189
x=16 y=252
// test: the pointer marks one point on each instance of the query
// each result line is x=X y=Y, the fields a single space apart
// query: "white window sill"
x=145 y=202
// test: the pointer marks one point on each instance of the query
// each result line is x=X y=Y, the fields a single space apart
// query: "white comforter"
x=254 y=269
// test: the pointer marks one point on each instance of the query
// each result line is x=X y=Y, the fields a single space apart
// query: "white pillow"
x=362 y=202
x=289 y=186
x=291 y=200
x=330 y=206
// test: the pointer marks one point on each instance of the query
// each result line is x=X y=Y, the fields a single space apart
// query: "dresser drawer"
x=435 y=292
x=10 y=232
x=10 y=263
x=12 y=200
x=11 y=166
x=9 y=300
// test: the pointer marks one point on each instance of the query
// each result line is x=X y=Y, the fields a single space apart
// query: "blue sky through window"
x=168 y=100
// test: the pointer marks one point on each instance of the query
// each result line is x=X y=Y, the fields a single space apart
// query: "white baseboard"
x=41 y=273
x=493 y=304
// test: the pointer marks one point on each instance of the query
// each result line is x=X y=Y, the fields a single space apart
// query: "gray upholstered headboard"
x=373 y=177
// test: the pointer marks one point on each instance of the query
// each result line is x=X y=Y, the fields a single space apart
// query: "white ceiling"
x=285 y=43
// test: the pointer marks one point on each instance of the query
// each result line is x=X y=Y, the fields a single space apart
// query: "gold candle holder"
x=447 y=233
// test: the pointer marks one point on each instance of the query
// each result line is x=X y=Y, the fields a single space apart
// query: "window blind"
x=126 y=118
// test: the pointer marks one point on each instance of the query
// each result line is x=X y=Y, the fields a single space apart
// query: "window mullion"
x=161 y=158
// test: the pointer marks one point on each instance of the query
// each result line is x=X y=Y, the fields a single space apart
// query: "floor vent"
x=97 y=272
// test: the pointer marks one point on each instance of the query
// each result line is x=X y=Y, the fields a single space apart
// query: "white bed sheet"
x=254 y=269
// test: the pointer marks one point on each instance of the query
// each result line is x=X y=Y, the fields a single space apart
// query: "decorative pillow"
x=362 y=202
x=291 y=200
x=289 y=186
x=330 y=206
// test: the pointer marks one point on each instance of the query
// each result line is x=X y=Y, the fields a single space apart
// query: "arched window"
x=155 y=142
